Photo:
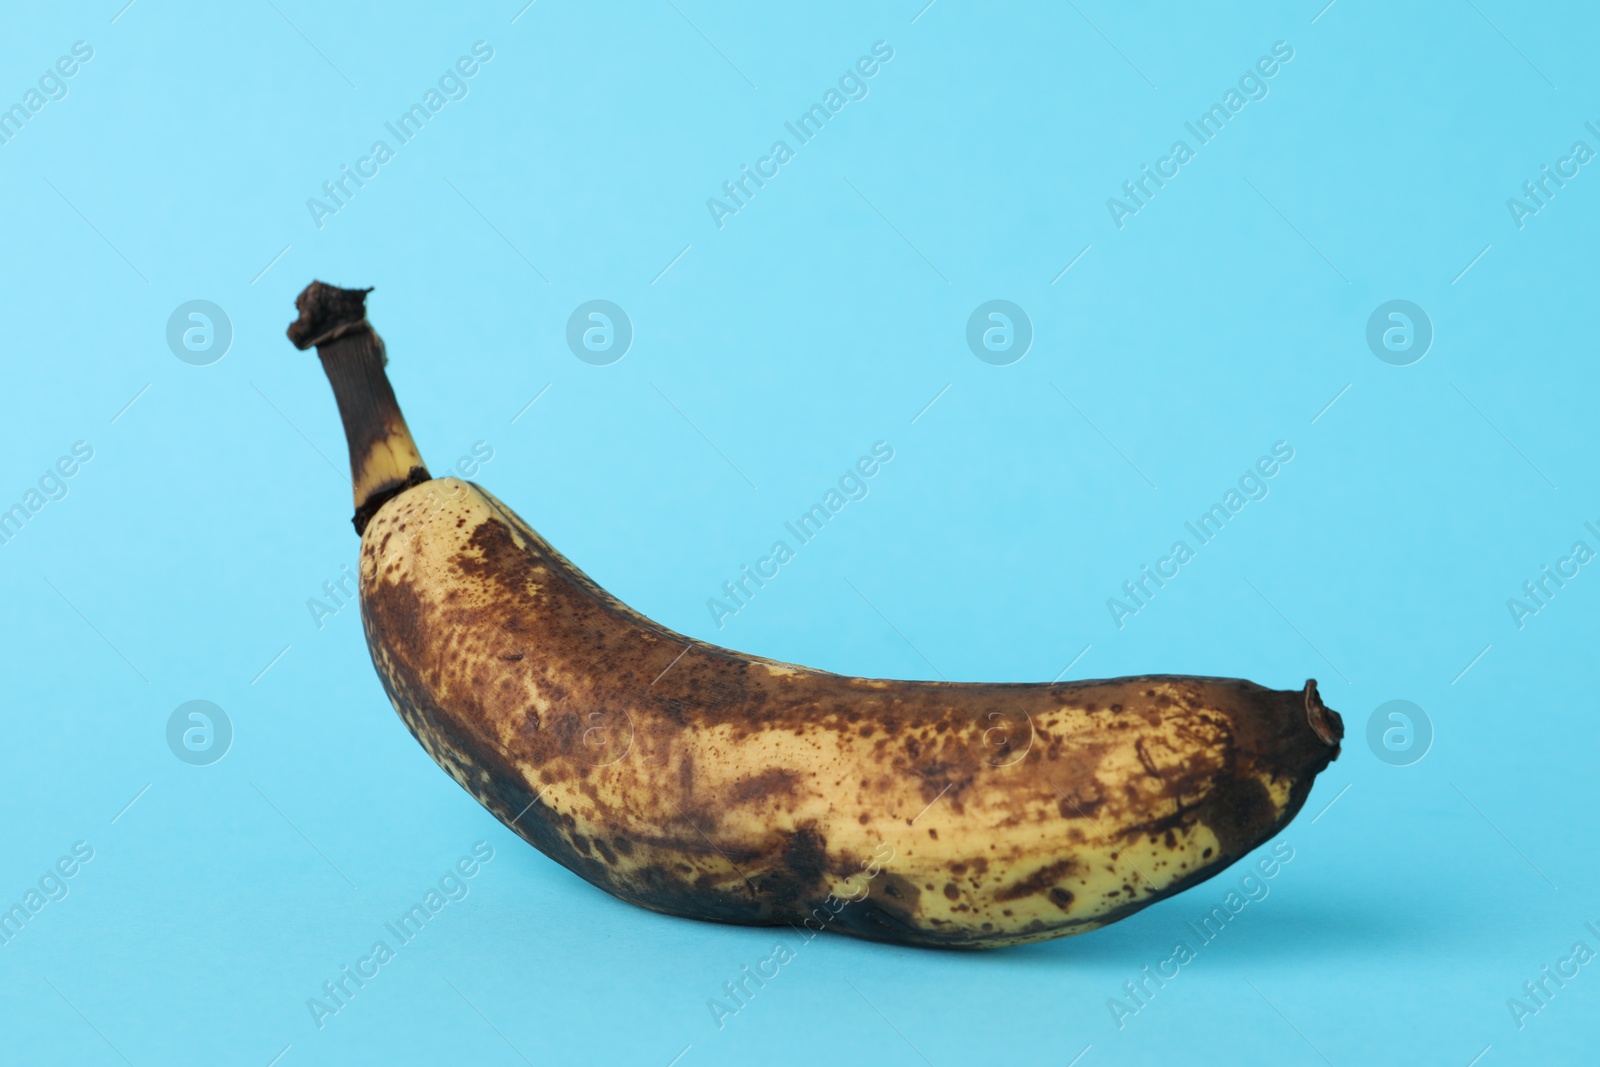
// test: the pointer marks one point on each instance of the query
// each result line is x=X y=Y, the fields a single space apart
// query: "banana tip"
x=1324 y=721
x=326 y=312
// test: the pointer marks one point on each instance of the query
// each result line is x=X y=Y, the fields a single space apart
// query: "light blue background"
x=1223 y=317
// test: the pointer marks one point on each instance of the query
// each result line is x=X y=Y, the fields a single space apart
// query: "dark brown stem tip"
x=1325 y=722
x=326 y=312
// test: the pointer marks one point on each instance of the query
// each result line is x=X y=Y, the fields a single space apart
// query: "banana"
x=701 y=782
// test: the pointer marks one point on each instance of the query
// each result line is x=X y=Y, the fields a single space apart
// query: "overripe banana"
x=706 y=783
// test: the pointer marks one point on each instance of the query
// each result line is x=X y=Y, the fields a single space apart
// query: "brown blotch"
x=770 y=782
x=799 y=878
x=1038 y=881
x=1145 y=759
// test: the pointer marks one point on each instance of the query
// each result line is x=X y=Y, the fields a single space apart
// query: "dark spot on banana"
x=1039 y=880
x=774 y=781
x=1145 y=760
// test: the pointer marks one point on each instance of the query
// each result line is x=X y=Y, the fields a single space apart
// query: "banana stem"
x=384 y=460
